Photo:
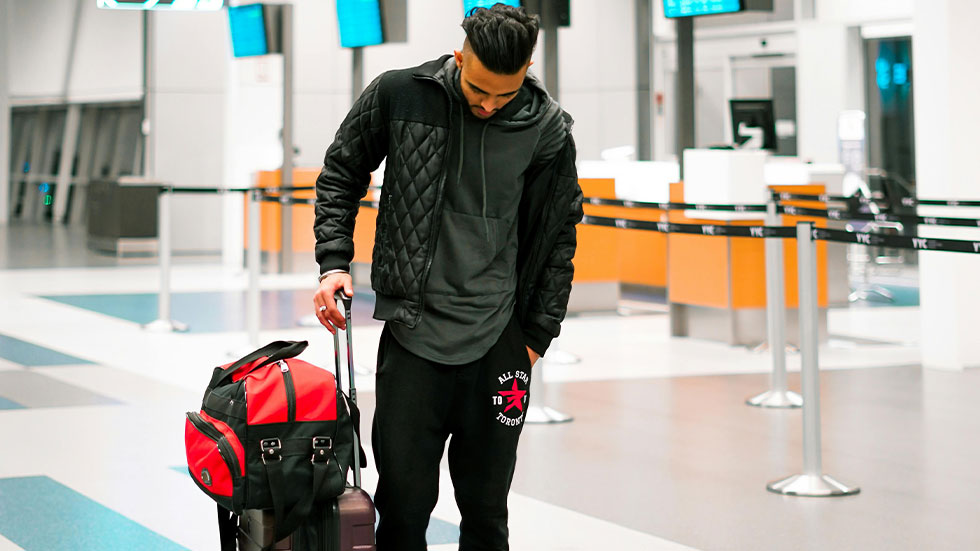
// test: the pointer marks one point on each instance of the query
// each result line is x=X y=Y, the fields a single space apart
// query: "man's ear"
x=459 y=58
x=529 y=63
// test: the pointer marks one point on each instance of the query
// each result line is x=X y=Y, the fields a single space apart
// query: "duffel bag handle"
x=273 y=352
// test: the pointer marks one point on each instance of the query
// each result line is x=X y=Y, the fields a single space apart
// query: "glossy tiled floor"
x=662 y=453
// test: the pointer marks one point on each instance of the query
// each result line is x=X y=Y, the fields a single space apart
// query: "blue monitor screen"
x=360 y=23
x=470 y=5
x=247 y=30
x=687 y=8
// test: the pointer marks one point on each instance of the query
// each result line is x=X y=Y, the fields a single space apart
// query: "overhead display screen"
x=470 y=5
x=689 y=8
x=360 y=23
x=247 y=30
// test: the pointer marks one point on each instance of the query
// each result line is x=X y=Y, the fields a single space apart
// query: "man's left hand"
x=532 y=355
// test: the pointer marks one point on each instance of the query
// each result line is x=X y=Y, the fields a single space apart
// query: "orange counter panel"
x=613 y=254
x=730 y=272
x=597 y=252
x=303 y=217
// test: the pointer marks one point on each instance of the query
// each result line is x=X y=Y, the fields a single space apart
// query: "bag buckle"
x=271 y=448
x=321 y=446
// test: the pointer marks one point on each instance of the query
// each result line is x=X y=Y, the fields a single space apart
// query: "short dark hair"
x=502 y=37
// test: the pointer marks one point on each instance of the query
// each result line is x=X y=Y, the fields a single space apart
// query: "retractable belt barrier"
x=760 y=232
x=673 y=206
x=788 y=232
x=829 y=213
x=843 y=214
x=905 y=201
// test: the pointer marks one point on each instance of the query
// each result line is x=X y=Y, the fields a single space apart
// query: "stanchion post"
x=164 y=323
x=778 y=395
x=541 y=414
x=254 y=261
x=812 y=483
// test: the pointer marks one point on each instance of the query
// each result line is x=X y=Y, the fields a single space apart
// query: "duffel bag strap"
x=227 y=529
x=272 y=352
x=355 y=418
x=288 y=522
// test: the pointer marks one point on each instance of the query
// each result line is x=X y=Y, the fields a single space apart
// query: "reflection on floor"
x=662 y=454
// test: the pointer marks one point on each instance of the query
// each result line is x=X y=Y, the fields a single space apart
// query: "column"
x=947 y=119
x=4 y=115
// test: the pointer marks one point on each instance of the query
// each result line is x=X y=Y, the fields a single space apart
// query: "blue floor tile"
x=9 y=404
x=441 y=532
x=39 y=514
x=213 y=312
x=32 y=355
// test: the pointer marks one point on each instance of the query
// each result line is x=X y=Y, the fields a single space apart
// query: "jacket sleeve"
x=358 y=148
x=549 y=302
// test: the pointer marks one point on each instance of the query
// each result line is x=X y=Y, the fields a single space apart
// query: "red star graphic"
x=514 y=397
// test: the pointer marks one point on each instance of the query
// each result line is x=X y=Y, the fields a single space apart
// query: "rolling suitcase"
x=342 y=524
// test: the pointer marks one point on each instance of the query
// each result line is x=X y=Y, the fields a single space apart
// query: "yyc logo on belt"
x=513 y=398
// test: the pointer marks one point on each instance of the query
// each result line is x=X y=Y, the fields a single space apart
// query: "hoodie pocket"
x=468 y=254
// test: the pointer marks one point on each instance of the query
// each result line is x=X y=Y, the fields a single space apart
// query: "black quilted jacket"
x=404 y=115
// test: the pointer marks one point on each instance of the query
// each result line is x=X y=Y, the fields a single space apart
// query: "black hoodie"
x=470 y=293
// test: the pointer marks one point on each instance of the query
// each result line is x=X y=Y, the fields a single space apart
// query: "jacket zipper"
x=224 y=448
x=287 y=378
x=437 y=222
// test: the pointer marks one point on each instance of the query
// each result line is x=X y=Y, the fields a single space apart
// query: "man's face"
x=486 y=92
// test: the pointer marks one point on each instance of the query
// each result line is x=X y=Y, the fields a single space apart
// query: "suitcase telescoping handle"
x=342 y=297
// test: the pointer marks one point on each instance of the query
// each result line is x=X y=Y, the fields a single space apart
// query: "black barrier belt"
x=840 y=214
x=788 y=232
x=897 y=241
x=283 y=189
x=672 y=206
x=906 y=201
x=288 y=200
x=202 y=190
x=694 y=229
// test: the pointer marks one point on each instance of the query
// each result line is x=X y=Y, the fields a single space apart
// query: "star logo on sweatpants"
x=514 y=397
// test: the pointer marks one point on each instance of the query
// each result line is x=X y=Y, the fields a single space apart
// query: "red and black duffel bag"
x=273 y=433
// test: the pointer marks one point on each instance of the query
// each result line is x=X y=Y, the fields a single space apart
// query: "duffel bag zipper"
x=224 y=448
x=287 y=378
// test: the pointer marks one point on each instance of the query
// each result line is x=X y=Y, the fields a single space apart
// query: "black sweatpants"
x=480 y=408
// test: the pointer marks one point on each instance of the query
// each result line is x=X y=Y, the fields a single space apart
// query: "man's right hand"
x=324 y=304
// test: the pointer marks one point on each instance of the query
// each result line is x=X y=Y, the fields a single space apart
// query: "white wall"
x=189 y=94
x=829 y=80
x=860 y=11
x=108 y=55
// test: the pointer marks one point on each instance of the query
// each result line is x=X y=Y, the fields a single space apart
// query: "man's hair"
x=502 y=37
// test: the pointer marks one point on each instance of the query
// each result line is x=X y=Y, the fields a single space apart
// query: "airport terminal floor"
x=663 y=453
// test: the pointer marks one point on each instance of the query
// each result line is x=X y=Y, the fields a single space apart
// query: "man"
x=472 y=266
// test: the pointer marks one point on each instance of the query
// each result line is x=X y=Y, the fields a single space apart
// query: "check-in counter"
x=716 y=284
